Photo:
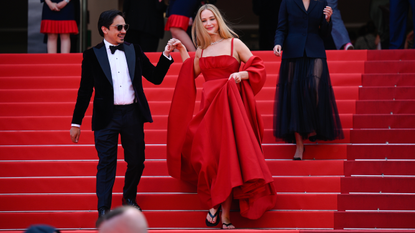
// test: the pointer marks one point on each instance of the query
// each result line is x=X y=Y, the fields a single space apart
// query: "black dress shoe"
x=129 y=202
x=102 y=211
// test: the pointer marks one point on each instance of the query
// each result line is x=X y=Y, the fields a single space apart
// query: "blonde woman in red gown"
x=219 y=149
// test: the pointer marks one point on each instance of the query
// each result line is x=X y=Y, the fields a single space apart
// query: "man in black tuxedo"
x=115 y=69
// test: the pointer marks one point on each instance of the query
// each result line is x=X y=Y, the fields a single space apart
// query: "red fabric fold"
x=181 y=112
x=59 y=27
x=219 y=149
x=177 y=21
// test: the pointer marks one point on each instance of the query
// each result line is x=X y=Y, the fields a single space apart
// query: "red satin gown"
x=219 y=149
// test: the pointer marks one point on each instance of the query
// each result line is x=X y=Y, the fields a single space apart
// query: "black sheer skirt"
x=304 y=101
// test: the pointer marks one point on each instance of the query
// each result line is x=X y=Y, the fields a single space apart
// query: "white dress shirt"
x=121 y=80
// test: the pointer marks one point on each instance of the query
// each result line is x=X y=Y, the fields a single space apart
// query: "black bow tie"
x=119 y=47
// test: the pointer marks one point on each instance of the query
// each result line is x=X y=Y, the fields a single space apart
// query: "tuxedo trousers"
x=128 y=123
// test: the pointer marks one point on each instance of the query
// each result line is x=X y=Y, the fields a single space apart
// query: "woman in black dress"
x=305 y=105
x=58 y=18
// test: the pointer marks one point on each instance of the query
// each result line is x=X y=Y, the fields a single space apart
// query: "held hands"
x=75 y=133
x=173 y=44
x=277 y=50
x=177 y=44
x=328 y=12
x=237 y=76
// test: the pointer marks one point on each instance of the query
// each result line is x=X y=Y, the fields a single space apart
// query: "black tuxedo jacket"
x=96 y=74
x=302 y=31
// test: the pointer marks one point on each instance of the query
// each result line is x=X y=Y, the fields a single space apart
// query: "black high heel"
x=312 y=138
x=303 y=154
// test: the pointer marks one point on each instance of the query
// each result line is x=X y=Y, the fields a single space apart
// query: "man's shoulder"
x=91 y=50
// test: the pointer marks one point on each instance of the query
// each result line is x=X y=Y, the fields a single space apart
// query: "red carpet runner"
x=363 y=183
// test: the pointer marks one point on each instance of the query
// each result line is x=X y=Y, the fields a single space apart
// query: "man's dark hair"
x=42 y=228
x=111 y=214
x=106 y=18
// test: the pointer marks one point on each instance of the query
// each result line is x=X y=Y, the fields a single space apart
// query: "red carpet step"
x=82 y=184
x=385 y=107
x=160 y=122
x=155 y=94
x=175 y=219
x=396 y=67
x=379 y=168
x=389 y=80
x=383 y=121
x=157 y=108
x=153 y=201
x=377 y=202
x=382 y=136
x=156 y=151
x=380 y=151
x=387 y=93
x=152 y=136
x=159 y=168
x=390 y=185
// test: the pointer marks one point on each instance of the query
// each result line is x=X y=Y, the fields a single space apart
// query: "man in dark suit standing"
x=114 y=68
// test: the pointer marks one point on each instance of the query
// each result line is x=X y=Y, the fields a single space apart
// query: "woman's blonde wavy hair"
x=200 y=36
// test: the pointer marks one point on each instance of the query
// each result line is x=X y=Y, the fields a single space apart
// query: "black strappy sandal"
x=227 y=225
x=209 y=224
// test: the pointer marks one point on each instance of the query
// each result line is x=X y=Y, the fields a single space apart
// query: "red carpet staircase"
x=363 y=183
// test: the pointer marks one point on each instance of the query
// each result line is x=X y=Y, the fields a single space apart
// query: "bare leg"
x=65 y=43
x=300 y=146
x=226 y=209
x=181 y=35
x=52 y=43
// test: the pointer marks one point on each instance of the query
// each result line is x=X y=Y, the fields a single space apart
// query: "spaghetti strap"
x=231 y=47
x=201 y=55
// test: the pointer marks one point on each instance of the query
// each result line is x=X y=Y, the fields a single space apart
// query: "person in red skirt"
x=58 y=18
x=180 y=13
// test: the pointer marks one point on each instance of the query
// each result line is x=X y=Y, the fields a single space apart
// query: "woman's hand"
x=277 y=50
x=173 y=44
x=237 y=76
x=61 y=4
x=328 y=12
x=177 y=44
x=52 y=5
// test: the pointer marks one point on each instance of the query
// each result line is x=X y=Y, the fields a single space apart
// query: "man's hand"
x=75 y=133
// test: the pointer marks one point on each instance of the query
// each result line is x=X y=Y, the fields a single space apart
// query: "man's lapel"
x=130 y=57
x=101 y=53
